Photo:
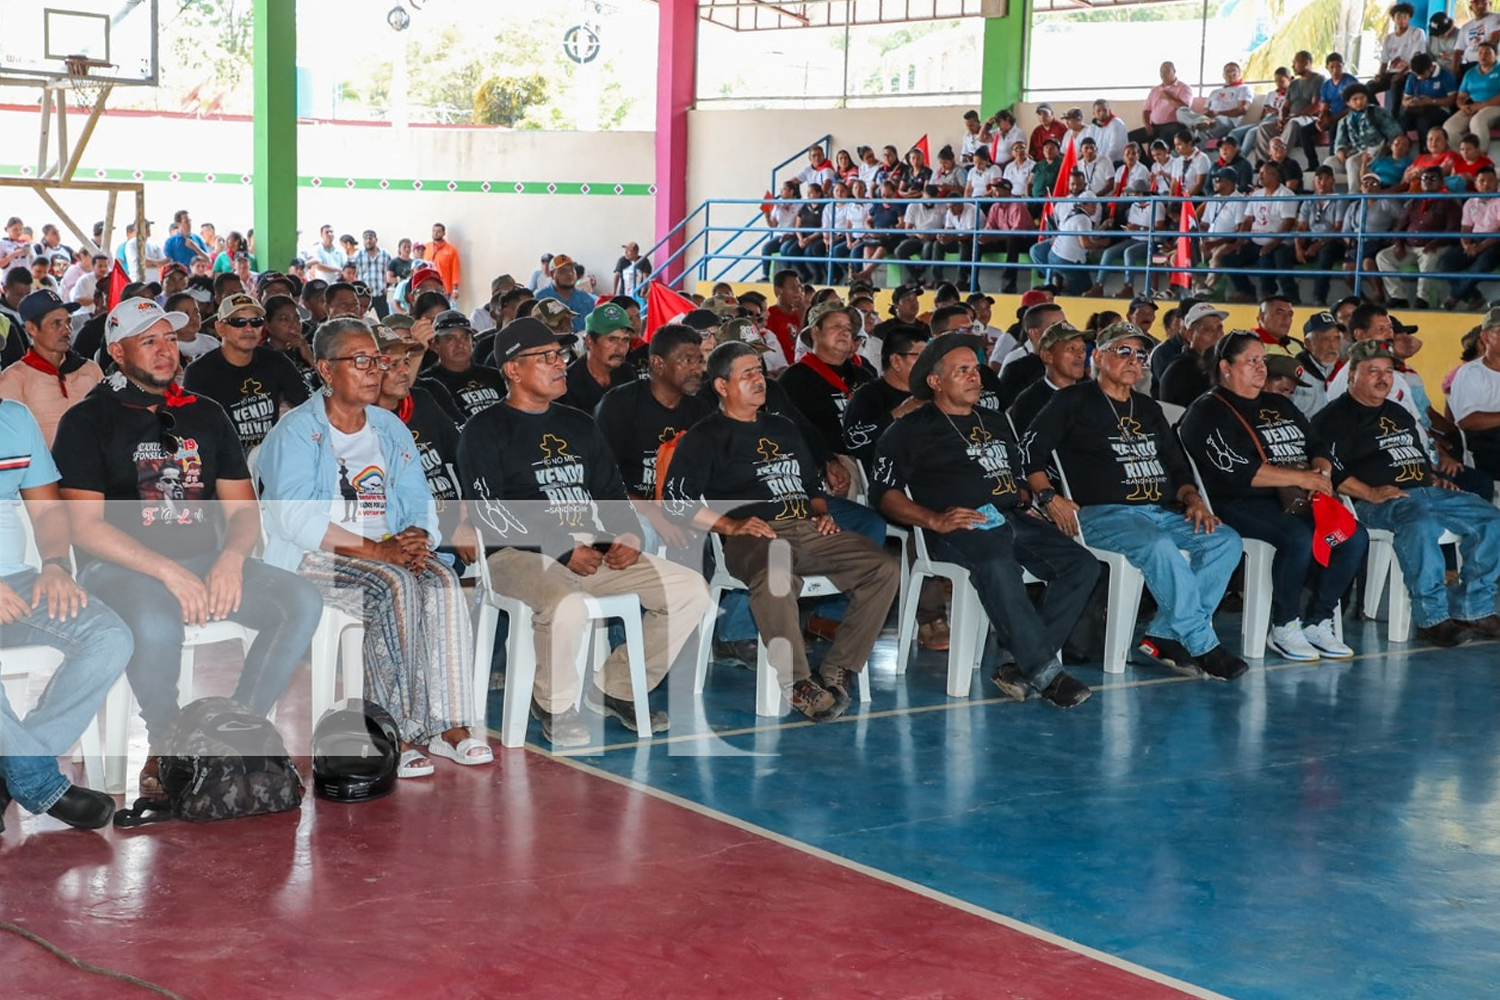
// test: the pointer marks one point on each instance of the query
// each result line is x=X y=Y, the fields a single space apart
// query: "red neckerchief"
x=828 y=375
x=34 y=360
x=404 y=409
x=175 y=396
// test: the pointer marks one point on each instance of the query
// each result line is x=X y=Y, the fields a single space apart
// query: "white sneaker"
x=1325 y=640
x=1289 y=642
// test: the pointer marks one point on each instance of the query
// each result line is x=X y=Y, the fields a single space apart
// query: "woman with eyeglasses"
x=1250 y=444
x=254 y=384
x=377 y=561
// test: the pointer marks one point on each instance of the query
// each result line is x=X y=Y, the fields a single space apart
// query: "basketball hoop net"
x=86 y=90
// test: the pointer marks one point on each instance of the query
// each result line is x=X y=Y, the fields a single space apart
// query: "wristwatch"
x=1044 y=498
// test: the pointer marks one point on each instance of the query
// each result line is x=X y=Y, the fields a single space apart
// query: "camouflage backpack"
x=227 y=762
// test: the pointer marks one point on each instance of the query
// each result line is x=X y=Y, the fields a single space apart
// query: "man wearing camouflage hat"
x=1379 y=461
x=554 y=315
x=1063 y=349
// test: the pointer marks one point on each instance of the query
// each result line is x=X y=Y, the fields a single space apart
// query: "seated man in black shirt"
x=606 y=338
x=876 y=405
x=960 y=319
x=1022 y=367
x=1132 y=492
x=749 y=476
x=473 y=388
x=638 y=418
x=161 y=501
x=254 y=384
x=1064 y=352
x=1187 y=378
x=960 y=468
x=1378 y=459
x=549 y=499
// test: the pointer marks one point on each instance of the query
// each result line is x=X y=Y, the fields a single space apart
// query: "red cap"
x=1035 y=297
x=1333 y=524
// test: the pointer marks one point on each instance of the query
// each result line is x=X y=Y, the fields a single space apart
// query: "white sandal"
x=464 y=753
x=408 y=767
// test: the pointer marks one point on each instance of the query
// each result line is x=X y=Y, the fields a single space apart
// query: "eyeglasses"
x=364 y=362
x=1126 y=351
x=240 y=322
x=550 y=357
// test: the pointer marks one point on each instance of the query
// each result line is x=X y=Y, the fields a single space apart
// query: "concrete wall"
x=495 y=232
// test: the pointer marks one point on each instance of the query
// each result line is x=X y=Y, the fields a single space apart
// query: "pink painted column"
x=676 y=83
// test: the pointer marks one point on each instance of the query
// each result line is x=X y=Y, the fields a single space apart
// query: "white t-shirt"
x=153 y=252
x=1222 y=215
x=980 y=180
x=1403 y=46
x=962 y=222
x=971 y=141
x=480 y=319
x=84 y=287
x=1268 y=213
x=1019 y=175
x=1098 y=176
x=1476 y=31
x=1222 y=99
x=823 y=175
x=1066 y=245
x=867 y=172
x=920 y=215
x=1475 y=389
x=1141 y=214
x=198 y=346
x=1189 y=170
x=358 y=503
x=1139 y=172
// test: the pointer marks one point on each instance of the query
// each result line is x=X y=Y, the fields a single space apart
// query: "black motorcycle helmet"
x=355 y=751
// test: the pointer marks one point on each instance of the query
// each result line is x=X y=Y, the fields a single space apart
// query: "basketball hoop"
x=86 y=89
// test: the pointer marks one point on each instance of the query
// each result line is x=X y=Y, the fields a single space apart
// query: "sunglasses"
x=240 y=322
x=1126 y=351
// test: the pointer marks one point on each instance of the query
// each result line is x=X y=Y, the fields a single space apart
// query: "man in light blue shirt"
x=1478 y=101
x=46 y=608
x=565 y=289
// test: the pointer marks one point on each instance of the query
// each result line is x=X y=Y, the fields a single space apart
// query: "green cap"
x=1116 y=332
x=606 y=319
x=1057 y=333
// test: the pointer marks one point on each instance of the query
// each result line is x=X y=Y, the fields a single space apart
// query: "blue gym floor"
x=1306 y=833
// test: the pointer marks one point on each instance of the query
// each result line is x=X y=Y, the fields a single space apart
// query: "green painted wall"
x=275 y=169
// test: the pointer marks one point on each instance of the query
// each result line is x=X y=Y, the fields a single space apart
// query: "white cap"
x=133 y=316
x=1202 y=310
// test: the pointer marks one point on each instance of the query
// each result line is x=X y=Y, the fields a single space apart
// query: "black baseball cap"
x=1318 y=322
x=450 y=320
x=1142 y=300
x=527 y=333
x=38 y=304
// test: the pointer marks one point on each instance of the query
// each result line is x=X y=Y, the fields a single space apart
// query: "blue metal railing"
x=716 y=263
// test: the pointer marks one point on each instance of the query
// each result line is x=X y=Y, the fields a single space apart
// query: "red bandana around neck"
x=34 y=360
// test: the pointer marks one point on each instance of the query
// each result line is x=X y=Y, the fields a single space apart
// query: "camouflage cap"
x=1116 y=332
x=741 y=329
x=1057 y=333
x=1369 y=350
x=552 y=310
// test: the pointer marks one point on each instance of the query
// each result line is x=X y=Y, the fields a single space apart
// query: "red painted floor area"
x=528 y=879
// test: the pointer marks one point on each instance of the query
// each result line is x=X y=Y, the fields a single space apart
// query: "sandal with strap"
x=414 y=764
x=469 y=750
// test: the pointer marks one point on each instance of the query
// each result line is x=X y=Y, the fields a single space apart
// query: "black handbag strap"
x=1254 y=437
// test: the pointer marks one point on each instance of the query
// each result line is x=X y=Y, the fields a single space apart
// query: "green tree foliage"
x=504 y=100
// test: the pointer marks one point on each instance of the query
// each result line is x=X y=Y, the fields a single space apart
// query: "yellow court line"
x=953 y=705
x=895 y=880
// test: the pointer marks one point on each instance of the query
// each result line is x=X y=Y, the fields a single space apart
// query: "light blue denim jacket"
x=297 y=466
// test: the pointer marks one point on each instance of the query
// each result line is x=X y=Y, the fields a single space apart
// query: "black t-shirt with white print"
x=474 y=390
x=157 y=470
x=542 y=481
x=821 y=401
x=1112 y=452
x=584 y=391
x=635 y=425
x=436 y=436
x=743 y=468
x=1225 y=453
x=252 y=394
x=948 y=460
x=867 y=417
x=1378 y=445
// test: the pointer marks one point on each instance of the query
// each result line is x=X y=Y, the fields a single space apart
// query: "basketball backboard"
x=37 y=38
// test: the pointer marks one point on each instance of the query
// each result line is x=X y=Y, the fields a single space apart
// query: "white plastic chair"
x=968 y=623
x=19 y=663
x=520 y=653
x=769 y=700
x=1259 y=555
x=860 y=488
x=1384 y=569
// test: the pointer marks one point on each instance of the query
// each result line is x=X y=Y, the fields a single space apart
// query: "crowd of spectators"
x=1261 y=174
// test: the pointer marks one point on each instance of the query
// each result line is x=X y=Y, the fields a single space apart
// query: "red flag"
x=663 y=306
x=765 y=206
x=118 y=279
x=926 y=151
x=1182 y=259
x=1060 y=186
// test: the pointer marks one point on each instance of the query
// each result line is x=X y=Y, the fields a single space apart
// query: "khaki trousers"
x=773 y=569
x=673 y=602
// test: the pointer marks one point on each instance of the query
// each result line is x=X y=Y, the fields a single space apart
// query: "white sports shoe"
x=1325 y=640
x=1289 y=642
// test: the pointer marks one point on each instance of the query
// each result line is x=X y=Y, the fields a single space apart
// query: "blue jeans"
x=1075 y=280
x=735 y=622
x=995 y=559
x=282 y=607
x=1186 y=590
x=1293 y=569
x=1279 y=260
x=95 y=647
x=1131 y=253
x=1417 y=521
